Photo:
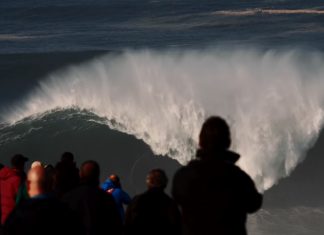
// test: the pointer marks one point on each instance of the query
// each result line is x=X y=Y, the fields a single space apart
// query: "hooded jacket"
x=10 y=181
x=215 y=195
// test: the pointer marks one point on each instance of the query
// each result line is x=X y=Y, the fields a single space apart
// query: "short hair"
x=90 y=172
x=115 y=179
x=215 y=134
x=67 y=157
x=156 y=178
x=18 y=160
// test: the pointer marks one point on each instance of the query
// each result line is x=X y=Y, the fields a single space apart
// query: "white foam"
x=273 y=101
x=14 y=37
x=260 y=11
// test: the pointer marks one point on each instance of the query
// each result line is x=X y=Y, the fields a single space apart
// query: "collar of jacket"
x=224 y=155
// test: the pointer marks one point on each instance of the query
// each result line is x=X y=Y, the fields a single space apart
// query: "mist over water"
x=272 y=100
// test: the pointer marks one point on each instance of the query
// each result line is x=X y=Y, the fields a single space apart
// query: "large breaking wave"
x=273 y=101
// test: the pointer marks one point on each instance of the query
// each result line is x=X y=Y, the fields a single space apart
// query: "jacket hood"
x=6 y=173
x=226 y=155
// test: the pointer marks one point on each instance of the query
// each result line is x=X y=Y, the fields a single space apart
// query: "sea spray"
x=272 y=100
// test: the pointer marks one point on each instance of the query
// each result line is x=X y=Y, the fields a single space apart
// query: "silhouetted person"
x=41 y=213
x=22 y=191
x=50 y=174
x=96 y=208
x=214 y=194
x=66 y=174
x=153 y=212
x=11 y=180
x=113 y=186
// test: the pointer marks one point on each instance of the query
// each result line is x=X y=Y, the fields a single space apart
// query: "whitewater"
x=272 y=99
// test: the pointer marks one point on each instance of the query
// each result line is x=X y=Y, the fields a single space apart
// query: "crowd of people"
x=210 y=195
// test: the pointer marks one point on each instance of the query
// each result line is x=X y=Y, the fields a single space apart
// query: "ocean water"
x=129 y=83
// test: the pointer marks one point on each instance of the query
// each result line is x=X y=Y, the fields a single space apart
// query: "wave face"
x=46 y=136
x=273 y=101
x=296 y=220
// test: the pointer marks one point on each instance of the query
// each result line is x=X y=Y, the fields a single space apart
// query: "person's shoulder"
x=168 y=198
x=46 y=203
x=239 y=174
x=104 y=196
x=117 y=191
x=139 y=197
x=107 y=184
x=190 y=168
x=76 y=193
x=6 y=173
x=237 y=170
x=193 y=164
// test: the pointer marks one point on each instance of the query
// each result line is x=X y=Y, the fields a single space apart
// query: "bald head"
x=35 y=164
x=90 y=173
x=37 y=181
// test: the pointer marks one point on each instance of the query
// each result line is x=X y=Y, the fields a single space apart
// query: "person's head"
x=215 y=135
x=35 y=164
x=50 y=174
x=90 y=173
x=115 y=179
x=37 y=182
x=1 y=166
x=18 y=162
x=156 y=179
x=67 y=157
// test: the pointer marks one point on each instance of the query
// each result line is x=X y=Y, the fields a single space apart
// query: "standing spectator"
x=66 y=174
x=22 y=191
x=50 y=174
x=42 y=213
x=153 y=212
x=113 y=186
x=11 y=179
x=215 y=195
x=96 y=208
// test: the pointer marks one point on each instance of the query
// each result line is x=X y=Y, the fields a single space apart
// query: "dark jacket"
x=96 y=208
x=10 y=181
x=42 y=215
x=66 y=177
x=215 y=195
x=153 y=212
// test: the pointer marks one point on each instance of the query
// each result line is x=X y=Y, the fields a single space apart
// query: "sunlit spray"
x=273 y=101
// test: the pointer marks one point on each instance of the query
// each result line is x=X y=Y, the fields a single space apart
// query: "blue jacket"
x=119 y=195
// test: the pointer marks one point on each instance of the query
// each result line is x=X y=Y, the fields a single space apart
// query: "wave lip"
x=260 y=11
x=15 y=37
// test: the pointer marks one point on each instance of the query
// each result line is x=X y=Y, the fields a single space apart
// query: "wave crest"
x=272 y=100
x=260 y=11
